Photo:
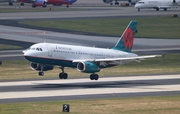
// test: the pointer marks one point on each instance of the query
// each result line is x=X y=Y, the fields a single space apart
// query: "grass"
x=152 y=27
x=20 y=69
x=9 y=47
x=143 y=105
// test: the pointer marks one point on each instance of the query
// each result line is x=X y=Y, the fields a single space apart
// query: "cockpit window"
x=38 y=49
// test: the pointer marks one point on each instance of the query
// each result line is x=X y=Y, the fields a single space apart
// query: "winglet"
x=126 y=41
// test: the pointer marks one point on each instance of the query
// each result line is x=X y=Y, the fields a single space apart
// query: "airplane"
x=44 y=56
x=133 y=2
x=35 y=3
x=44 y=3
x=156 y=4
x=10 y=2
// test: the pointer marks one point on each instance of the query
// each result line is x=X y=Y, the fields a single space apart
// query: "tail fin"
x=126 y=41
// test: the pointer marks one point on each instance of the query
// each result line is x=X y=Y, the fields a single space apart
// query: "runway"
x=111 y=87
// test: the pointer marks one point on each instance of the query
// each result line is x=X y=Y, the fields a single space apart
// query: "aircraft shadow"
x=115 y=84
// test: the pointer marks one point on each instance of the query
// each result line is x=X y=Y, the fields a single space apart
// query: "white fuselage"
x=60 y=52
x=156 y=4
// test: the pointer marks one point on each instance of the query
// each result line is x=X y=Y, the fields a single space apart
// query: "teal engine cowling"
x=37 y=66
x=88 y=67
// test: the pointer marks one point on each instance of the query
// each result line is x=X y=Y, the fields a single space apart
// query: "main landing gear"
x=157 y=9
x=94 y=76
x=63 y=75
x=22 y=4
x=116 y=3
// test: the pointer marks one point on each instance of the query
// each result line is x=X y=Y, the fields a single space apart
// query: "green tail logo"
x=126 y=41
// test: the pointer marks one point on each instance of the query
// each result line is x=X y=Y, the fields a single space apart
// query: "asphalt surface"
x=79 y=89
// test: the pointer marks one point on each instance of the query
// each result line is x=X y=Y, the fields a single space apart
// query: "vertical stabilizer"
x=126 y=41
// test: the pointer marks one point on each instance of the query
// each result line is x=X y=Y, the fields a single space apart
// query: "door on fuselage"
x=49 y=51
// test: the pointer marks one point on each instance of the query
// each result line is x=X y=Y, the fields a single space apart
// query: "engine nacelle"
x=36 y=66
x=107 y=1
x=39 y=3
x=133 y=2
x=87 y=67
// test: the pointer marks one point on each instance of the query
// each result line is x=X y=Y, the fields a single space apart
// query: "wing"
x=116 y=61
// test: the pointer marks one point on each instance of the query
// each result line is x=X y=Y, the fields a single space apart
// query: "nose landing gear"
x=41 y=73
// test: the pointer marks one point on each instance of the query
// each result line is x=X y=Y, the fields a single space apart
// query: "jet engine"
x=133 y=2
x=87 y=67
x=107 y=1
x=36 y=66
x=42 y=3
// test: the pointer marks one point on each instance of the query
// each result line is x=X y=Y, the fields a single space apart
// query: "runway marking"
x=101 y=79
x=53 y=93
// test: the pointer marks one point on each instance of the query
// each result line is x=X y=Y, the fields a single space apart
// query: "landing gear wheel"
x=63 y=75
x=116 y=3
x=41 y=73
x=33 y=6
x=10 y=3
x=22 y=4
x=44 y=6
x=111 y=3
x=60 y=76
x=94 y=77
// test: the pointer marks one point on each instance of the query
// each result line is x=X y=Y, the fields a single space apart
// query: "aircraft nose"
x=24 y=51
x=136 y=5
x=27 y=53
